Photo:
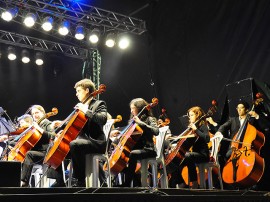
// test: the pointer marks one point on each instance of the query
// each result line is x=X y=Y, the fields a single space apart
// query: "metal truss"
x=78 y=13
x=41 y=45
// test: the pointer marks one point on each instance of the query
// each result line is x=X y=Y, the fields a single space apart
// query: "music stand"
x=6 y=127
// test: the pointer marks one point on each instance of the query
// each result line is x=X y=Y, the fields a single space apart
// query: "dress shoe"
x=24 y=184
x=58 y=184
x=79 y=184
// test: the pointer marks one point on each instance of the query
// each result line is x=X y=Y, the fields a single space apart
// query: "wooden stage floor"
x=129 y=195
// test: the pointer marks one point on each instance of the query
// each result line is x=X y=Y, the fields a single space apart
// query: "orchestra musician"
x=199 y=153
x=38 y=152
x=144 y=148
x=92 y=138
x=231 y=127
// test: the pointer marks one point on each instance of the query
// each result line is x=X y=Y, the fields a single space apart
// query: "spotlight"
x=47 y=23
x=9 y=14
x=123 y=42
x=30 y=20
x=11 y=53
x=79 y=34
x=25 y=56
x=94 y=35
x=110 y=40
x=39 y=58
x=64 y=28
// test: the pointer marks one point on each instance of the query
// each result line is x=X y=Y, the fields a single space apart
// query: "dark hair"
x=244 y=103
x=86 y=83
x=140 y=103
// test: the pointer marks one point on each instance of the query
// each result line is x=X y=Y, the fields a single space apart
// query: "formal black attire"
x=199 y=154
x=37 y=154
x=143 y=149
x=91 y=139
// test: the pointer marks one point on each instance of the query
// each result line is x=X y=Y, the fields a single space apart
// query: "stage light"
x=94 y=35
x=30 y=20
x=39 y=58
x=11 y=53
x=123 y=42
x=79 y=34
x=64 y=28
x=110 y=40
x=25 y=56
x=47 y=23
x=9 y=14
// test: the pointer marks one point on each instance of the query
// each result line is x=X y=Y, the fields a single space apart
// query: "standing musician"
x=144 y=148
x=92 y=138
x=199 y=153
x=38 y=152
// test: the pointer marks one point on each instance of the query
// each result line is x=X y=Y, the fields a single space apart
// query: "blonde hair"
x=39 y=107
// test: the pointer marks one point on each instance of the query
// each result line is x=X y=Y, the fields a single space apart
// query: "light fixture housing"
x=9 y=14
x=25 y=56
x=64 y=28
x=30 y=20
x=94 y=36
x=39 y=58
x=47 y=24
x=110 y=40
x=11 y=53
x=79 y=33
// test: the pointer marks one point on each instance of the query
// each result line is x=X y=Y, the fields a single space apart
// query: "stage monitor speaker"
x=240 y=90
x=10 y=174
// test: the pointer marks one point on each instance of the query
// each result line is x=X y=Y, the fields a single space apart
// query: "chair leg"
x=201 y=167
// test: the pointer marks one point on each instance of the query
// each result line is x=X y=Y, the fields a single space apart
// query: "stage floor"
x=129 y=194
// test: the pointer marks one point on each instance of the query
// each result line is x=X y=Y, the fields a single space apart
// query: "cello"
x=75 y=122
x=245 y=166
x=129 y=137
x=185 y=141
x=29 y=138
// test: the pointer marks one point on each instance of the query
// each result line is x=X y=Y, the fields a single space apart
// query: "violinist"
x=199 y=153
x=92 y=138
x=144 y=148
x=38 y=152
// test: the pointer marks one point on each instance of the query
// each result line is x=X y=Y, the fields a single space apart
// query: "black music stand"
x=6 y=127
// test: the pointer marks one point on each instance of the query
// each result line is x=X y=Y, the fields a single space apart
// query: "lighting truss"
x=41 y=45
x=79 y=13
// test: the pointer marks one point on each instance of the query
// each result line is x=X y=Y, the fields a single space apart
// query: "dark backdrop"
x=191 y=51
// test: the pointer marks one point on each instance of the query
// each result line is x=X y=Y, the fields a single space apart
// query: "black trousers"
x=31 y=158
x=190 y=160
x=134 y=156
x=79 y=148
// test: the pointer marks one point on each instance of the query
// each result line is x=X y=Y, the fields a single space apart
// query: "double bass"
x=74 y=124
x=129 y=136
x=29 y=138
x=185 y=141
x=245 y=166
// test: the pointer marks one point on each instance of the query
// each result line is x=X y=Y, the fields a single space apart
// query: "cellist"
x=144 y=148
x=38 y=152
x=92 y=138
x=199 y=153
